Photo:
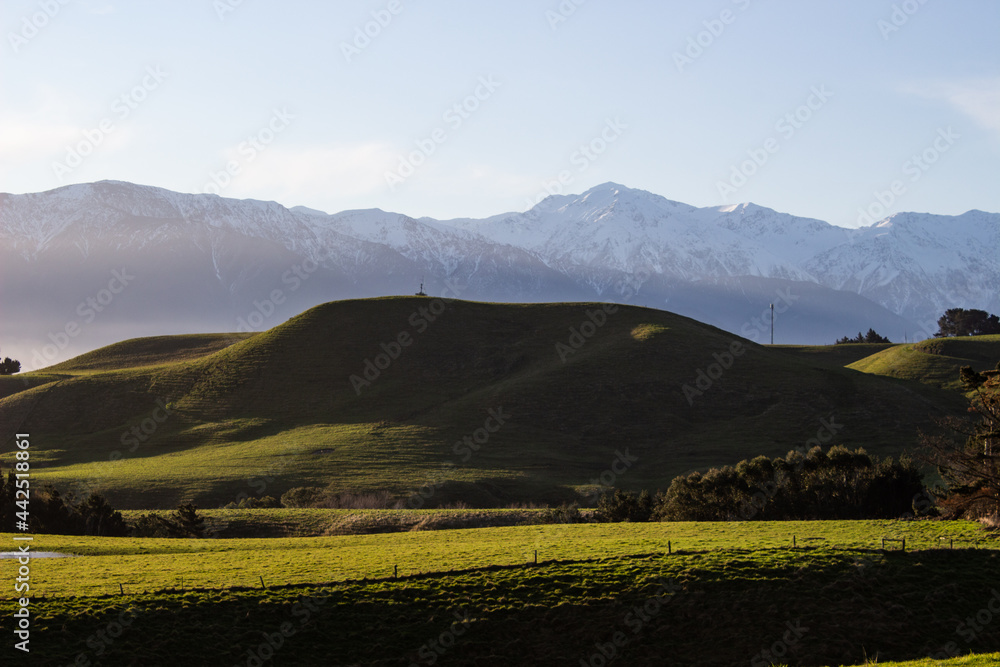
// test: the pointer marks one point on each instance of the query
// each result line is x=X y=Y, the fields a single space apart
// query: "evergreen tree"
x=871 y=337
x=962 y=322
x=189 y=522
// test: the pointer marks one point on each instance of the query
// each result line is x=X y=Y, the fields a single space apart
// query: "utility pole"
x=772 y=324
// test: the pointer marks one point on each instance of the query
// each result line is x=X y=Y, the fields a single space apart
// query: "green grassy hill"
x=154 y=351
x=935 y=361
x=279 y=409
x=833 y=355
x=134 y=353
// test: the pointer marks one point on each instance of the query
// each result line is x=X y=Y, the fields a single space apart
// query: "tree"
x=9 y=366
x=622 y=505
x=971 y=468
x=98 y=517
x=190 y=523
x=837 y=484
x=55 y=514
x=184 y=522
x=871 y=337
x=962 y=322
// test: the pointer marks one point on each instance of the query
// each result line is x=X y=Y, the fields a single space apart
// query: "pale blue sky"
x=609 y=68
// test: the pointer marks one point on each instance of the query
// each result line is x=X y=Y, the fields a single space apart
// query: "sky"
x=846 y=111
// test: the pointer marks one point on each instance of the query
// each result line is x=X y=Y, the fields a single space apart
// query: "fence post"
x=262 y=581
x=793 y=541
x=120 y=588
x=536 y=556
x=668 y=546
x=395 y=572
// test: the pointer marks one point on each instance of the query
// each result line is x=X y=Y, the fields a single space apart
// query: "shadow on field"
x=808 y=606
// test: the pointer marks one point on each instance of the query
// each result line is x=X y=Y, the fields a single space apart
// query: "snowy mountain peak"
x=567 y=246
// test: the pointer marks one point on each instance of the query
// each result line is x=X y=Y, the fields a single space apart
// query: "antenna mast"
x=772 y=324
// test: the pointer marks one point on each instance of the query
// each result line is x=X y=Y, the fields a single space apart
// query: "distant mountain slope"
x=490 y=403
x=205 y=263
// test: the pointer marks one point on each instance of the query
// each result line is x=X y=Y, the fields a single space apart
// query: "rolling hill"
x=935 y=361
x=480 y=402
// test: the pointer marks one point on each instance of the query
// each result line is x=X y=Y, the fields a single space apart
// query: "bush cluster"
x=837 y=484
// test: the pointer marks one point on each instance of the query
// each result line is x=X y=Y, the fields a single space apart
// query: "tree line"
x=836 y=484
x=53 y=513
x=842 y=483
x=871 y=337
x=954 y=322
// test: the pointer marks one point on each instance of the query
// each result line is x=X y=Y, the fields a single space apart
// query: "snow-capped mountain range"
x=207 y=263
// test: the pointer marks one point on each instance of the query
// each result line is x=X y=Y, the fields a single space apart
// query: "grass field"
x=155 y=422
x=210 y=418
x=983 y=660
x=730 y=593
x=143 y=564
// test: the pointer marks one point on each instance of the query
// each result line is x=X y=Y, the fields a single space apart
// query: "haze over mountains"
x=86 y=265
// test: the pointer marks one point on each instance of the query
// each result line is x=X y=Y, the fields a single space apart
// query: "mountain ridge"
x=611 y=242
